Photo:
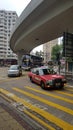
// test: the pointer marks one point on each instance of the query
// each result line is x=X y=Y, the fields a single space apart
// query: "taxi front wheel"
x=43 y=85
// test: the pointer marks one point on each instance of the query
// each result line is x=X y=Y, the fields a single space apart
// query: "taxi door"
x=37 y=77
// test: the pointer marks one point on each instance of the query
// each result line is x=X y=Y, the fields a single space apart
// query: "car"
x=46 y=77
x=14 y=70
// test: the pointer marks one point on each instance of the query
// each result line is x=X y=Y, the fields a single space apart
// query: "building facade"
x=7 y=21
x=47 y=48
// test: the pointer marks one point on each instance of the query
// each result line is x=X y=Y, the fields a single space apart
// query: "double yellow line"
x=45 y=114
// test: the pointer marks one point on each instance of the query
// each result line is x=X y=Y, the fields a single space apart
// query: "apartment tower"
x=47 y=48
x=7 y=21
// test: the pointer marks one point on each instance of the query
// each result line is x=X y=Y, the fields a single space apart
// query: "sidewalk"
x=11 y=119
x=7 y=122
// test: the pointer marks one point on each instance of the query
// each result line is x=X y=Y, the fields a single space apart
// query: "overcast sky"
x=15 y=5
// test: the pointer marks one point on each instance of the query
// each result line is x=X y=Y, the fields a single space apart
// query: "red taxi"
x=46 y=78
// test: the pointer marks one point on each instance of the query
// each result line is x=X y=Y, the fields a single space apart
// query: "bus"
x=31 y=61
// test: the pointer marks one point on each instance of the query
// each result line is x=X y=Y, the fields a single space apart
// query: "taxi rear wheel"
x=31 y=79
x=43 y=85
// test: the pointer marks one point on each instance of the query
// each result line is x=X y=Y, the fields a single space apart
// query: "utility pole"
x=58 y=61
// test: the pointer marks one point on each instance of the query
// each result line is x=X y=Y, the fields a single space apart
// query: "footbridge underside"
x=40 y=22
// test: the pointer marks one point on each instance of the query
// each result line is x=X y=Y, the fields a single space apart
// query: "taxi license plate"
x=57 y=84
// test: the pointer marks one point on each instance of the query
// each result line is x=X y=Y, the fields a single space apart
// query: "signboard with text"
x=68 y=45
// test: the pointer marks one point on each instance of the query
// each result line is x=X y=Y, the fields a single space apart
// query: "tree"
x=56 y=52
x=39 y=53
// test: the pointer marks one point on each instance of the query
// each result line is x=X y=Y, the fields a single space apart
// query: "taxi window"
x=46 y=71
x=33 y=71
x=41 y=72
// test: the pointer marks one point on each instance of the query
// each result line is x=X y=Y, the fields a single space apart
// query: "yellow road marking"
x=39 y=120
x=46 y=115
x=65 y=93
x=48 y=94
x=70 y=89
x=8 y=79
x=6 y=98
x=62 y=108
x=31 y=115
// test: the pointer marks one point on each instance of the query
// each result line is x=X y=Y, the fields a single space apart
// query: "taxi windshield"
x=46 y=71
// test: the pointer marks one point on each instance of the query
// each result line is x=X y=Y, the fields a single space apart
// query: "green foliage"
x=69 y=59
x=56 y=50
x=39 y=53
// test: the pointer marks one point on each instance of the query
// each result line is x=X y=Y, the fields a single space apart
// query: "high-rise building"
x=7 y=21
x=47 y=48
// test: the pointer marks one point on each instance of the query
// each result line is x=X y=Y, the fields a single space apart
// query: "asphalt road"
x=44 y=109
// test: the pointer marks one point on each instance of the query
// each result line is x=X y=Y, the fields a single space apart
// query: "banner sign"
x=67 y=44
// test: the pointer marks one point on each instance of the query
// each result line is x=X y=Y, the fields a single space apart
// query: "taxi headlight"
x=63 y=80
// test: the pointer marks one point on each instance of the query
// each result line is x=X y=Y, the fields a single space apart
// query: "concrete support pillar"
x=20 y=59
x=20 y=53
